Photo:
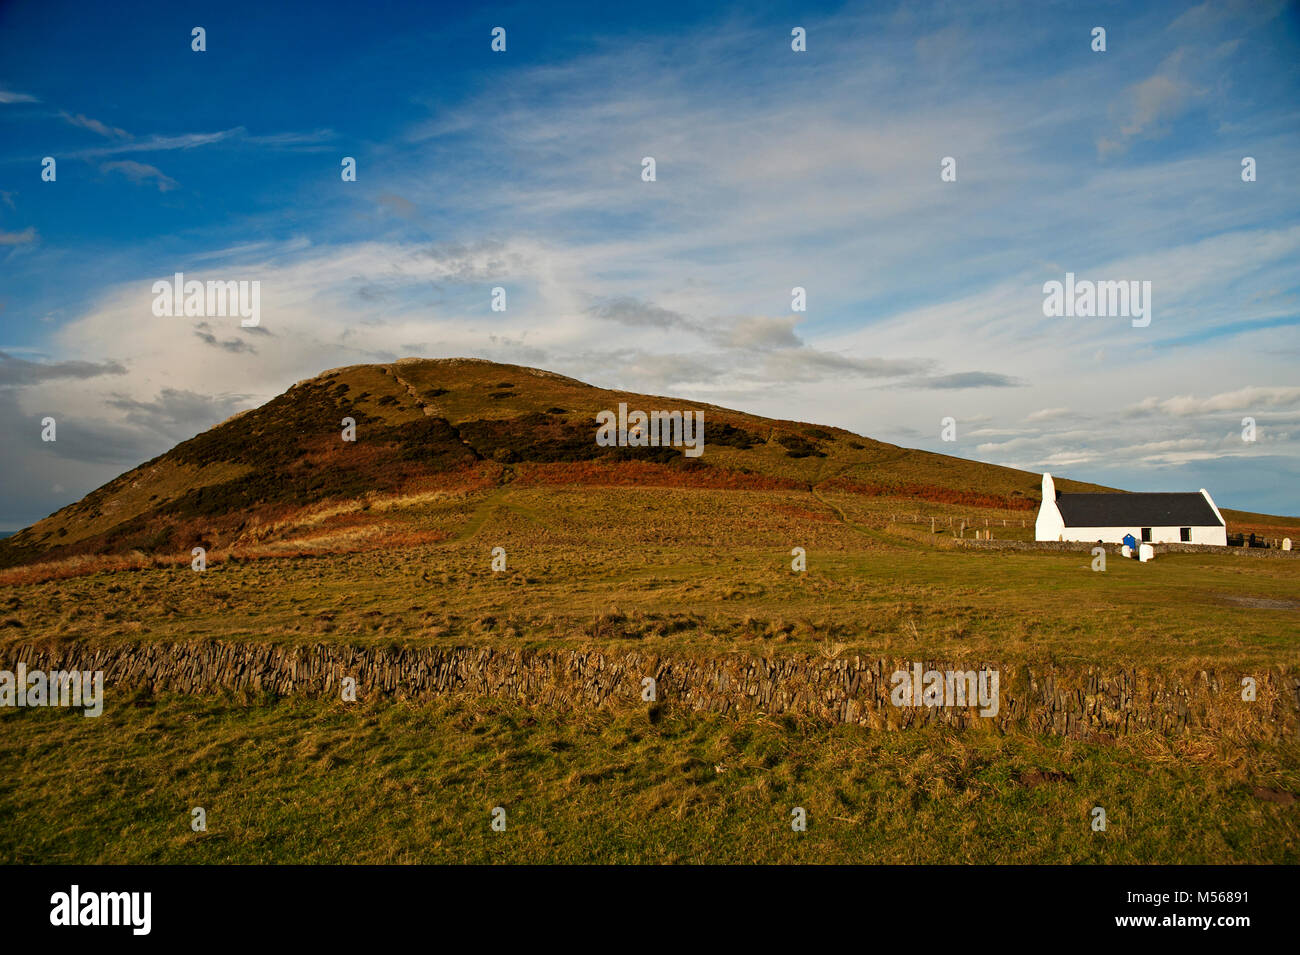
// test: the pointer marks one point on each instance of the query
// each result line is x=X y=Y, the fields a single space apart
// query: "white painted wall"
x=1159 y=535
x=1050 y=525
x=1214 y=535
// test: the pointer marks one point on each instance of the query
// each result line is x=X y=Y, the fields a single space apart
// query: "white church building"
x=1150 y=518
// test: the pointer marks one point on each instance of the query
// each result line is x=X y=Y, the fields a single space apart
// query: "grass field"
x=692 y=570
x=299 y=782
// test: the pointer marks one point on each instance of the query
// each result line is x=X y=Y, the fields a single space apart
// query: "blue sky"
x=775 y=169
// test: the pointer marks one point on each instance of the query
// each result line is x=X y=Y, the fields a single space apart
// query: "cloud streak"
x=16 y=372
x=95 y=126
x=139 y=172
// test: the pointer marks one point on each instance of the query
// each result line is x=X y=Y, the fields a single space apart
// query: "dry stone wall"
x=1066 y=701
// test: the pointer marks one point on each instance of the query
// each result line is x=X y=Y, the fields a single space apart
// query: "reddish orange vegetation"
x=480 y=477
x=932 y=492
x=81 y=565
x=647 y=474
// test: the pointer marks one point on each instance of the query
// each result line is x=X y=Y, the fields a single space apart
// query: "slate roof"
x=1137 y=510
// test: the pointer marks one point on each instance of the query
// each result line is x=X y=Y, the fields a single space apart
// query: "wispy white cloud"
x=95 y=126
x=1149 y=105
x=141 y=172
x=1250 y=398
x=315 y=138
x=184 y=141
x=158 y=144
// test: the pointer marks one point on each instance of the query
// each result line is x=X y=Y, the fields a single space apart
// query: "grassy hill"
x=470 y=427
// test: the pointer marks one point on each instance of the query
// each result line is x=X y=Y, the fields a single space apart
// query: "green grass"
x=695 y=571
x=297 y=781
